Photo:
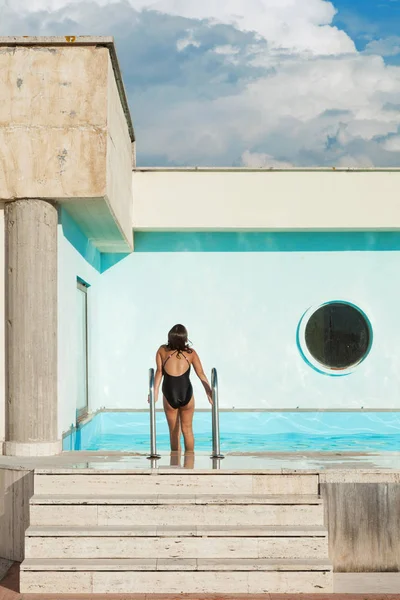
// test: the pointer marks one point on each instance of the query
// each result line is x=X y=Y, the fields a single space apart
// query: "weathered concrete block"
x=363 y=521
x=16 y=489
x=66 y=134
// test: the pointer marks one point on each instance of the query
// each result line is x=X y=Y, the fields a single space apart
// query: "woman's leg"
x=188 y=461
x=174 y=425
x=186 y=414
x=175 y=459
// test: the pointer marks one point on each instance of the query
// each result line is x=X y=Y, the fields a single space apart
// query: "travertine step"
x=155 y=482
x=175 y=576
x=174 y=532
x=178 y=530
x=175 y=499
x=165 y=564
x=111 y=511
x=167 y=542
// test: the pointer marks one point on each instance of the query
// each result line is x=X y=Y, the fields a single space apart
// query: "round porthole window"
x=335 y=337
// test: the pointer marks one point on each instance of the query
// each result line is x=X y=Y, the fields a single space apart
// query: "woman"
x=174 y=361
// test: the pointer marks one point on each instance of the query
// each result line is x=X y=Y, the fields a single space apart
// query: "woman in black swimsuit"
x=174 y=361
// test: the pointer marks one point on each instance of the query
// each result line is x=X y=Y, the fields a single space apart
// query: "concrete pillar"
x=31 y=328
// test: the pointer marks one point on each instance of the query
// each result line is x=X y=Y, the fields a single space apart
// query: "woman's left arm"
x=198 y=367
x=158 y=376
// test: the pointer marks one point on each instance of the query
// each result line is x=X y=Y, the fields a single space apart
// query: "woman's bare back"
x=176 y=363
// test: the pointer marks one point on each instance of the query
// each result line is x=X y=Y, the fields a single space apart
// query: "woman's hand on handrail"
x=208 y=390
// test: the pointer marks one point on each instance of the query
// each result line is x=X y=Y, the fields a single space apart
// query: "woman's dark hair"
x=178 y=339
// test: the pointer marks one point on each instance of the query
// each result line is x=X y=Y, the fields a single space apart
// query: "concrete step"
x=229 y=543
x=177 y=531
x=173 y=564
x=165 y=482
x=175 y=576
x=175 y=499
x=113 y=513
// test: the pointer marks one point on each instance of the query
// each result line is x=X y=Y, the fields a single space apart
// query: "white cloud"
x=294 y=114
x=389 y=46
x=227 y=50
x=315 y=101
x=353 y=162
x=187 y=41
x=392 y=144
x=298 y=25
x=303 y=26
x=259 y=160
x=32 y=6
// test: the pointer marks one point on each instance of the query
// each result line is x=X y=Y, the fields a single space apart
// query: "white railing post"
x=215 y=416
x=153 y=437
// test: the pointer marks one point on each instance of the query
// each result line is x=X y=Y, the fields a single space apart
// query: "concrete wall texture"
x=66 y=143
x=74 y=145
x=2 y=332
x=119 y=164
x=31 y=325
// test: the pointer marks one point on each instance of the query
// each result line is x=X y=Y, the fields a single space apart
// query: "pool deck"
x=314 y=462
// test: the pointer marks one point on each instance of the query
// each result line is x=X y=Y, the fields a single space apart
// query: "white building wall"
x=290 y=200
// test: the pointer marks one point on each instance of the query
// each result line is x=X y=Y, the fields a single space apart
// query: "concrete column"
x=31 y=328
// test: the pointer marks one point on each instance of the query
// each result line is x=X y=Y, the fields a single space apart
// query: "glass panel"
x=338 y=335
x=82 y=396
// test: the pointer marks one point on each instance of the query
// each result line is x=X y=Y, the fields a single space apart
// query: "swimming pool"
x=296 y=431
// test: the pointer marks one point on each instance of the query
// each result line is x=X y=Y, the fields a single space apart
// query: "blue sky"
x=258 y=83
x=366 y=20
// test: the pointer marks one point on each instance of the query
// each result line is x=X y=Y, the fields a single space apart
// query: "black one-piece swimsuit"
x=177 y=389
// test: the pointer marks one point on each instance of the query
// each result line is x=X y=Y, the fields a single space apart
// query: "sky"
x=246 y=83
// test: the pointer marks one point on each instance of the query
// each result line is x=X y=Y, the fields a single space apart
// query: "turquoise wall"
x=242 y=296
x=77 y=258
x=356 y=241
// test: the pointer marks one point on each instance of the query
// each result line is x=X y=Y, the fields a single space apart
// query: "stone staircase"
x=175 y=532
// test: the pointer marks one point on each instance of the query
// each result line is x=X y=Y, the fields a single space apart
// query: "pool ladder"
x=216 y=448
x=153 y=456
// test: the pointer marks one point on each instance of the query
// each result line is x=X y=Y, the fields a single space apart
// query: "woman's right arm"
x=201 y=375
x=158 y=376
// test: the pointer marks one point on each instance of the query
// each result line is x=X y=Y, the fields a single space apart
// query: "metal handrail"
x=215 y=416
x=153 y=441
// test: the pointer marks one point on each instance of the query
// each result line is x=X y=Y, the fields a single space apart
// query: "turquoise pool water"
x=248 y=432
